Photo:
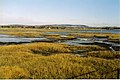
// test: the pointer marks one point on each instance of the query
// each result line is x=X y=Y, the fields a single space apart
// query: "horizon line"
x=64 y=24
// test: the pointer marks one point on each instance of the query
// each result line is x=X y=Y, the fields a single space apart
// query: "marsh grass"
x=32 y=32
x=110 y=35
x=53 y=60
x=104 y=54
x=20 y=61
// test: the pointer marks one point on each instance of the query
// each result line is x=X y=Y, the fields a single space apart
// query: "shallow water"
x=5 y=36
x=78 y=42
x=82 y=31
x=102 y=31
x=9 y=38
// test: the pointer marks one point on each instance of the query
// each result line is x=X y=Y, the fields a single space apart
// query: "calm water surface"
x=9 y=38
x=81 y=31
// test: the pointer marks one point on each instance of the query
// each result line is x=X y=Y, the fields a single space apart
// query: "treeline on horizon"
x=61 y=26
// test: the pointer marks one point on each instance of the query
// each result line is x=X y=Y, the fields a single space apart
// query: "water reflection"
x=8 y=38
x=82 y=31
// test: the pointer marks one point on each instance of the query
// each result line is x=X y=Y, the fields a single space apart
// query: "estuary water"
x=102 y=31
x=13 y=39
x=82 y=31
x=9 y=38
x=5 y=39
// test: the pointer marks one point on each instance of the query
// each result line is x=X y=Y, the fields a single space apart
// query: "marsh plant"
x=53 y=60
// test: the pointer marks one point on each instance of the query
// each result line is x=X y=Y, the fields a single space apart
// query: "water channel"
x=76 y=42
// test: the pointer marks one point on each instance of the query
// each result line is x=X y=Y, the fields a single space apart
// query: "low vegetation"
x=42 y=60
x=30 y=61
x=109 y=35
x=104 y=54
x=27 y=32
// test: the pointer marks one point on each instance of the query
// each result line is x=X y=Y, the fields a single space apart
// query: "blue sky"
x=89 y=12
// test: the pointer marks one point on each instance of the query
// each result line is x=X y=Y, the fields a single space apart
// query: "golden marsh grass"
x=19 y=61
x=43 y=60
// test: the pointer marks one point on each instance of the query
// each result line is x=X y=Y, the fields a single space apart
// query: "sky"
x=37 y=12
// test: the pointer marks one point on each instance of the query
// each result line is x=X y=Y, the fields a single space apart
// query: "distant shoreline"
x=58 y=26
